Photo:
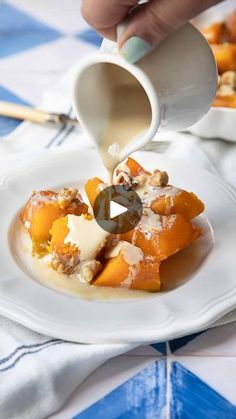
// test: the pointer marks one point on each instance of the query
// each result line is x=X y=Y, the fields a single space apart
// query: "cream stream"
x=130 y=116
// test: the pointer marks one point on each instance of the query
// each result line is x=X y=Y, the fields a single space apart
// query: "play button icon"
x=117 y=209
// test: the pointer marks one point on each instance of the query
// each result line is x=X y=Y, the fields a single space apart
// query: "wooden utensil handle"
x=13 y=110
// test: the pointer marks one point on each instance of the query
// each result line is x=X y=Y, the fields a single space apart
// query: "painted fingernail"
x=134 y=49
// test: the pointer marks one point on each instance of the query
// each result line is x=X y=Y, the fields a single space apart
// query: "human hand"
x=150 y=23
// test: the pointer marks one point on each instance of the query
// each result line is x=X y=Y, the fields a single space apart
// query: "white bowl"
x=218 y=122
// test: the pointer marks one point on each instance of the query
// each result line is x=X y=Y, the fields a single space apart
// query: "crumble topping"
x=227 y=84
x=66 y=261
x=69 y=197
x=123 y=178
x=66 y=195
x=158 y=178
x=88 y=269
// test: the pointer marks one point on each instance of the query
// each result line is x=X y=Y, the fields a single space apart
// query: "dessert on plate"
x=222 y=38
x=65 y=235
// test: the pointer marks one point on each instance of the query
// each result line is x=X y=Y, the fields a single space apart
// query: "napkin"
x=39 y=373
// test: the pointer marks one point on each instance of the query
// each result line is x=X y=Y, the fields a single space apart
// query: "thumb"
x=153 y=22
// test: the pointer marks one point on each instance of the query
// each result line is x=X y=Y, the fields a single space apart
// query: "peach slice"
x=38 y=216
x=225 y=55
x=129 y=268
x=215 y=33
x=65 y=256
x=135 y=168
x=225 y=101
x=92 y=188
x=183 y=202
x=58 y=231
x=175 y=233
x=43 y=208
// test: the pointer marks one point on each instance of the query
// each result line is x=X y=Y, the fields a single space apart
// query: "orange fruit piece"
x=225 y=101
x=120 y=272
x=225 y=55
x=183 y=202
x=92 y=188
x=135 y=168
x=41 y=210
x=58 y=231
x=175 y=234
x=215 y=33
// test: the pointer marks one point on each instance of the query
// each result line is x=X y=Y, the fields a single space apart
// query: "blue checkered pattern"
x=145 y=396
x=8 y=125
x=28 y=31
x=168 y=388
x=29 y=48
x=191 y=377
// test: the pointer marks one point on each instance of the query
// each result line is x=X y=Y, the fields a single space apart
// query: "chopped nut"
x=66 y=196
x=225 y=90
x=158 y=178
x=69 y=199
x=89 y=269
x=124 y=179
x=64 y=261
x=141 y=179
x=228 y=78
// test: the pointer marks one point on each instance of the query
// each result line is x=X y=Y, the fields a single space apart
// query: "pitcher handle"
x=110 y=47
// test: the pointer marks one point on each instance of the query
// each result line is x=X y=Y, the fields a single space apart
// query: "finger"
x=104 y=15
x=154 y=21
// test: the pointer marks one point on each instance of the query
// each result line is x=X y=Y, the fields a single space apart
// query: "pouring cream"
x=129 y=116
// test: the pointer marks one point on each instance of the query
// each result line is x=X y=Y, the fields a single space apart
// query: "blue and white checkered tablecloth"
x=192 y=377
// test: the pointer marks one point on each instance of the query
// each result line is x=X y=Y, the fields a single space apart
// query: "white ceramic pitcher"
x=179 y=77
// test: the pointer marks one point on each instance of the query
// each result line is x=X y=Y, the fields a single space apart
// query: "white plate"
x=219 y=122
x=209 y=293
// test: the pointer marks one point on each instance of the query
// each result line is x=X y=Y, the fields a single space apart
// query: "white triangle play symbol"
x=116 y=209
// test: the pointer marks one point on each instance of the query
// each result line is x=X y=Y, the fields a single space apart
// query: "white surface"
x=191 y=307
x=60 y=14
x=33 y=65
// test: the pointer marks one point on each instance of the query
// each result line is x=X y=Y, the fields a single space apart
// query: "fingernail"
x=134 y=49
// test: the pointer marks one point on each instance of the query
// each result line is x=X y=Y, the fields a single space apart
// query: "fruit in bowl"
x=66 y=236
x=222 y=38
